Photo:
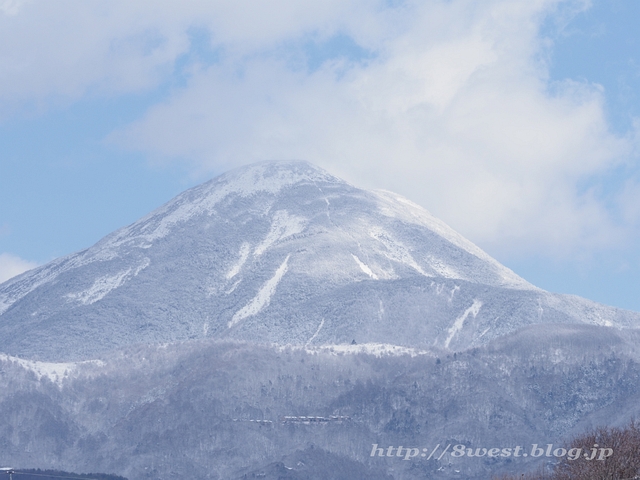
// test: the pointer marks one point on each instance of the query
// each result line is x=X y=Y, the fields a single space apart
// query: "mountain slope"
x=285 y=253
x=223 y=410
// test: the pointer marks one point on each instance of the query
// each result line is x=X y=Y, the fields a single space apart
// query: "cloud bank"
x=10 y=266
x=446 y=102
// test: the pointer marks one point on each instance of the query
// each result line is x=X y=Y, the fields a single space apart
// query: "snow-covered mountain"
x=199 y=341
x=218 y=410
x=283 y=253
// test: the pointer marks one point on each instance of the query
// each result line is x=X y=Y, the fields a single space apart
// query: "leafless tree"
x=605 y=454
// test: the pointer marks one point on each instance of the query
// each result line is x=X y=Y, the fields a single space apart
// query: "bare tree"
x=603 y=454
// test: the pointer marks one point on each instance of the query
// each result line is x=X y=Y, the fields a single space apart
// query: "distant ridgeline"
x=37 y=474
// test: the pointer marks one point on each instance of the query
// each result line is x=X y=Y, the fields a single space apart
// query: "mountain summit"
x=283 y=253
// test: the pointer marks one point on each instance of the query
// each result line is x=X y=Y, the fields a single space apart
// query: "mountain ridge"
x=283 y=253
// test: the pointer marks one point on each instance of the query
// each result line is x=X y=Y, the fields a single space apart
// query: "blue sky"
x=514 y=122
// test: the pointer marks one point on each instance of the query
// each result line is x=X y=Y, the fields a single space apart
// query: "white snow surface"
x=396 y=206
x=283 y=225
x=268 y=177
x=376 y=349
x=591 y=312
x=443 y=269
x=56 y=372
x=232 y=257
x=263 y=298
x=364 y=267
x=102 y=286
x=244 y=254
x=474 y=309
x=265 y=177
x=20 y=286
x=313 y=337
x=395 y=250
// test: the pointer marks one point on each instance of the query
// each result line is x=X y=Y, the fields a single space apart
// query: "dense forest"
x=229 y=410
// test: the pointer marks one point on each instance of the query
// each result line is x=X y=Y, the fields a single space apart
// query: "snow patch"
x=5 y=303
x=268 y=177
x=457 y=325
x=376 y=349
x=453 y=292
x=485 y=331
x=56 y=372
x=396 y=206
x=587 y=310
x=102 y=286
x=244 y=254
x=16 y=288
x=313 y=337
x=233 y=287
x=283 y=225
x=442 y=269
x=395 y=250
x=263 y=298
x=364 y=267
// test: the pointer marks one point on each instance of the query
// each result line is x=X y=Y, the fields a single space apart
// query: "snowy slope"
x=285 y=253
x=223 y=410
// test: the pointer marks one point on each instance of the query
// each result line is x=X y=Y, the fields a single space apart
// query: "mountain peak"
x=279 y=252
x=272 y=176
x=267 y=178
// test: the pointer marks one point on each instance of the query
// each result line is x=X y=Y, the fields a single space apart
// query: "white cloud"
x=454 y=110
x=67 y=48
x=10 y=266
